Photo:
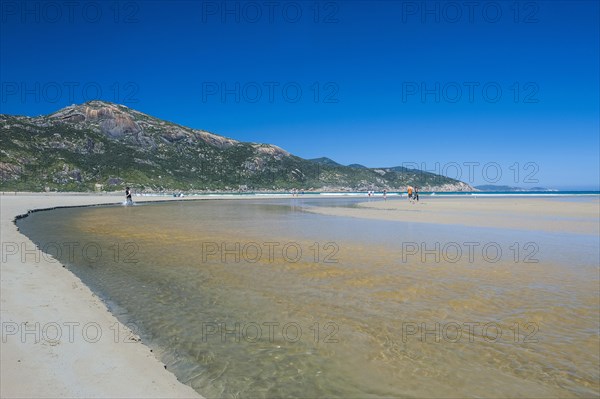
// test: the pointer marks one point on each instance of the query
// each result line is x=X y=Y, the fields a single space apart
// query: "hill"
x=101 y=145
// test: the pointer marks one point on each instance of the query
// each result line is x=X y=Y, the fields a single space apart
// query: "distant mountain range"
x=491 y=187
x=104 y=146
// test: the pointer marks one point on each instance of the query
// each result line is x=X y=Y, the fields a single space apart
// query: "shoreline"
x=58 y=338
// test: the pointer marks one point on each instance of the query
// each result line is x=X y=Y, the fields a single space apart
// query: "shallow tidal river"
x=259 y=298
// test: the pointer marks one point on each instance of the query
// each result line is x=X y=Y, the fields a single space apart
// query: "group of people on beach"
x=413 y=194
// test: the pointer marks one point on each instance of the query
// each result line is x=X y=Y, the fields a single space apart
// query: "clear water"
x=258 y=298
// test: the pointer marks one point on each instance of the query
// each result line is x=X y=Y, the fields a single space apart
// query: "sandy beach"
x=58 y=338
x=520 y=213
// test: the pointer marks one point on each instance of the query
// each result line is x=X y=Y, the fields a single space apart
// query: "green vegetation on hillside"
x=105 y=146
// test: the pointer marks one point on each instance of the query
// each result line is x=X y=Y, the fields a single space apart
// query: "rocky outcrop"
x=271 y=150
x=9 y=171
x=109 y=118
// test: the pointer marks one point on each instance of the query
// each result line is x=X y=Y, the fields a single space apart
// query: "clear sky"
x=491 y=92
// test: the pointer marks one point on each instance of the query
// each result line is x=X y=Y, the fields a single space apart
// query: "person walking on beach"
x=385 y=195
x=410 y=193
x=416 y=194
x=128 y=196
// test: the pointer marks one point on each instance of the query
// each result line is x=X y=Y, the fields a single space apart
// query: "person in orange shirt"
x=410 y=192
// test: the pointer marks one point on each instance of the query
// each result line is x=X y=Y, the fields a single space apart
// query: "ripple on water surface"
x=259 y=299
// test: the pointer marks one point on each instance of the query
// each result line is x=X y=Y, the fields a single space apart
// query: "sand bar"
x=541 y=214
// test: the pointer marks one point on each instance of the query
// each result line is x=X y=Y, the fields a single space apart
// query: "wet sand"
x=553 y=215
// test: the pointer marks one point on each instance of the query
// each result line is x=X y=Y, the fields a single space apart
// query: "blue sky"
x=494 y=93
